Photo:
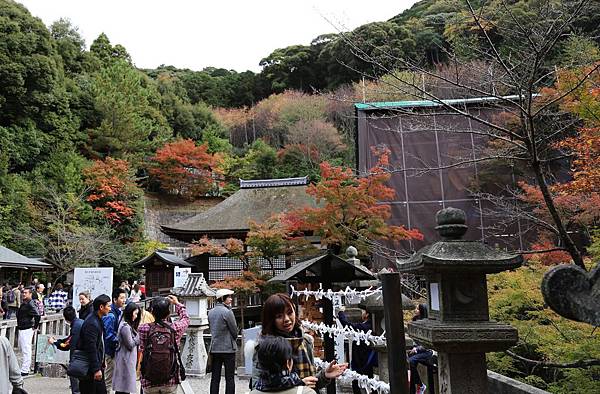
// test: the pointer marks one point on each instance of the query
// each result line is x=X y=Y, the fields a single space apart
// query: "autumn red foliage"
x=580 y=210
x=577 y=200
x=183 y=168
x=352 y=210
x=268 y=240
x=585 y=103
x=112 y=189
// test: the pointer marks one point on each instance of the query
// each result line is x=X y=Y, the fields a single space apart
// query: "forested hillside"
x=84 y=133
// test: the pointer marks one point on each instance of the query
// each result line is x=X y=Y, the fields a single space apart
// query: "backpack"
x=10 y=296
x=161 y=360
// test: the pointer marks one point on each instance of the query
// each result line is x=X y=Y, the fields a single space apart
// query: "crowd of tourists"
x=53 y=301
x=114 y=343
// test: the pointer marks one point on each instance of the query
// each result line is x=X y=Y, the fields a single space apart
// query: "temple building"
x=256 y=200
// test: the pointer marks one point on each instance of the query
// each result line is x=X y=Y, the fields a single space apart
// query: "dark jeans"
x=74 y=385
x=218 y=359
x=90 y=386
x=413 y=361
x=12 y=312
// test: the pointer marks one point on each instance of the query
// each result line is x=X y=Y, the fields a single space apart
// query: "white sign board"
x=95 y=280
x=181 y=275
x=434 y=296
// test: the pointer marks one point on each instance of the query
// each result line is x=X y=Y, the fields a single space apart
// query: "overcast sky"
x=233 y=34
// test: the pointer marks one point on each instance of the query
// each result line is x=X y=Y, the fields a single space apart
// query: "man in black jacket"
x=28 y=320
x=70 y=343
x=92 y=343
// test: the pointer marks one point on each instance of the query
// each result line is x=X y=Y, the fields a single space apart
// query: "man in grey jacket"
x=223 y=332
x=11 y=380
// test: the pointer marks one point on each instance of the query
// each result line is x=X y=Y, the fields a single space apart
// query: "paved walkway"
x=40 y=385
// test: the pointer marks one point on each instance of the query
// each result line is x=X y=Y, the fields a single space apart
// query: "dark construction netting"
x=429 y=139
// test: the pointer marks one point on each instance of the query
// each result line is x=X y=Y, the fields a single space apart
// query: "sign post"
x=96 y=280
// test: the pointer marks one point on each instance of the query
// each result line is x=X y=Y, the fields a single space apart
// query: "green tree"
x=258 y=163
x=291 y=68
x=175 y=106
x=131 y=124
x=34 y=113
x=17 y=211
x=69 y=44
x=384 y=41
x=544 y=337
x=104 y=51
x=62 y=172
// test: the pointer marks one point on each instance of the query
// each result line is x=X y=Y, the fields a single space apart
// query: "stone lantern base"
x=193 y=354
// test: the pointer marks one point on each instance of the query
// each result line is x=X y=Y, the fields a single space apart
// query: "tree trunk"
x=562 y=231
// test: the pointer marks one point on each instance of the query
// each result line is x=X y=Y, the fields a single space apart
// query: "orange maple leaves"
x=185 y=169
x=353 y=209
x=577 y=200
x=585 y=102
x=112 y=189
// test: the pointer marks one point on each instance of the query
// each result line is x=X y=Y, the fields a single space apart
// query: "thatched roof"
x=256 y=201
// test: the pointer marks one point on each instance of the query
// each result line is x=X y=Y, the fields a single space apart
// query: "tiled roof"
x=257 y=183
x=11 y=259
x=194 y=286
x=166 y=256
x=311 y=270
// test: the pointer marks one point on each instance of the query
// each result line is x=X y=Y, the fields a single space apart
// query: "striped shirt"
x=180 y=325
x=57 y=300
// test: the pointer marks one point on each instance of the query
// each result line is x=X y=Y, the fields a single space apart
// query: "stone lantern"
x=194 y=294
x=458 y=326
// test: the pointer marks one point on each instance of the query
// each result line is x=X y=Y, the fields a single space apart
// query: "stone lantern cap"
x=194 y=286
x=456 y=255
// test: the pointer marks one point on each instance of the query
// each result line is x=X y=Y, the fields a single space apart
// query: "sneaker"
x=421 y=389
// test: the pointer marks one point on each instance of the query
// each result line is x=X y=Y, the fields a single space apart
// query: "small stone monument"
x=194 y=294
x=458 y=326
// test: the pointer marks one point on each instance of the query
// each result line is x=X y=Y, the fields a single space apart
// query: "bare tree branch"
x=545 y=364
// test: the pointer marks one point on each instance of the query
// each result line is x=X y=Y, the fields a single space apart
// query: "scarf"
x=278 y=381
x=303 y=365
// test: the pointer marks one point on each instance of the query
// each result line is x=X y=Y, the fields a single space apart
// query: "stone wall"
x=497 y=384
x=500 y=384
x=160 y=210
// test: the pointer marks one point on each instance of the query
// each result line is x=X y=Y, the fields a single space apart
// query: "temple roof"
x=313 y=270
x=12 y=259
x=194 y=286
x=258 y=183
x=256 y=200
x=166 y=257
